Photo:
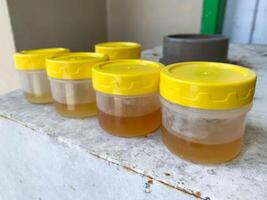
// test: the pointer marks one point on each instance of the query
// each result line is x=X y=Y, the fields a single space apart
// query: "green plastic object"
x=213 y=16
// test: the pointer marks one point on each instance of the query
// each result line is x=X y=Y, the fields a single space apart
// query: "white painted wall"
x=260 y=32
x=245 y=21
x=8 y=75
x=239 y=20
x=147 y=21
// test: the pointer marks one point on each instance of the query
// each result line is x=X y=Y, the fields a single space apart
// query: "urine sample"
x=71 y=84
x=119 y=50
x=35 y=85
x=204 y=107
x=129 y=116
x=31 y=68
x=74 y=98
x=127 y=97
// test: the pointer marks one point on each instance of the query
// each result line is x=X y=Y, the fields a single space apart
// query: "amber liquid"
x=76 y=110
x=201 y=153
x=41 y=99
x=130 y=126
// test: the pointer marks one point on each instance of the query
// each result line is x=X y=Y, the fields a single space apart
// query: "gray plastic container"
x=194 y=47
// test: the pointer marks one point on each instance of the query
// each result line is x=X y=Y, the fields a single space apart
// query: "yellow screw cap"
x=119 y=50
x=35 y=59
x=127 y=77
x=208 y=85
x=73 y=65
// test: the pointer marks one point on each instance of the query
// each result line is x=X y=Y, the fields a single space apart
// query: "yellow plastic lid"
x=35 y=59
x=127 y=77
x=208 y=85
x=119 y=50
x=76 y=65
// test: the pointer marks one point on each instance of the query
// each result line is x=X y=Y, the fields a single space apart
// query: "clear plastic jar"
x=127 y=96
x=74 y=98
x=128 y=116
x=119 y=50
x=35 y=85
x=204 y=106
x=31 y=67
x=204 y=136
x=71 y=84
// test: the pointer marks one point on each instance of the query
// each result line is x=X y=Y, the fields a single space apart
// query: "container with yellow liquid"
x=70 y=77
x=119 y=50
x=204 y=106
x=31 y=67
x=127 y=96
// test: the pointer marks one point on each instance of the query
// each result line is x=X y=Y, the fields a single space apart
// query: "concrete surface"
x=34 y=167
x=44 y=156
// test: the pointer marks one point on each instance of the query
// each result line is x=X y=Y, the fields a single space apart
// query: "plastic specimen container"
x=71 y=83
x=204 y=106
x=31 y=68
x=119 y=50
x=127 y=96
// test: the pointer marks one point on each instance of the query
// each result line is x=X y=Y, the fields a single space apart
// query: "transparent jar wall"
x=128 y=116
x=35 y=85
x=204 y=136
x=74 y=98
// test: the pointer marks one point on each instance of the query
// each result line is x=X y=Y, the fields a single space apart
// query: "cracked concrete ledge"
x=43 y=155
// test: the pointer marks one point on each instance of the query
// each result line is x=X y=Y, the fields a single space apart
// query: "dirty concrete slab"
x=243 y=178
